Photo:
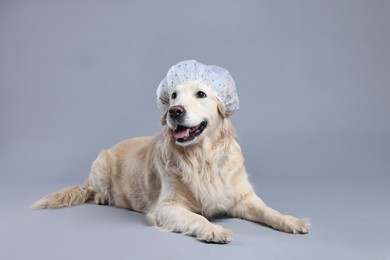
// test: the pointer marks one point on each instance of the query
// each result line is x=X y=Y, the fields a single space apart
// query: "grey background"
x=314 y=84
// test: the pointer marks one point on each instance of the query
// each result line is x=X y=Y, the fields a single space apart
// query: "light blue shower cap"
x=216 y=78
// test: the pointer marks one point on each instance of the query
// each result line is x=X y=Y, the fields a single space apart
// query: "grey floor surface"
x=350 y=220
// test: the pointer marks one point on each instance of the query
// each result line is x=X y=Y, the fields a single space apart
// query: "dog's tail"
x=69 y=196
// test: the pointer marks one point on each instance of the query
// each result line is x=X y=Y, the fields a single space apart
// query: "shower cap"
x=215 y=78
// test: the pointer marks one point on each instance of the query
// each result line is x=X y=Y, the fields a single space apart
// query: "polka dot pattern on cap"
x=216 y=78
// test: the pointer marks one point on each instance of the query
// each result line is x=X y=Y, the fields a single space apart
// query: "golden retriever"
x=189 y=172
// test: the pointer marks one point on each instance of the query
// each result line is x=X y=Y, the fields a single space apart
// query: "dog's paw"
x=215 y=234
x=294 y=225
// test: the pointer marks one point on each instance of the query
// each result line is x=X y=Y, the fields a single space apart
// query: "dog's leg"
x=252 y=208
x=179 y=219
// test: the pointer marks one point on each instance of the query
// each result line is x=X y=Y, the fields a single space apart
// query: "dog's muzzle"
x=183 y=133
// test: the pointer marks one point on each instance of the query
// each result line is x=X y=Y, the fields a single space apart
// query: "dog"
x=191 y=171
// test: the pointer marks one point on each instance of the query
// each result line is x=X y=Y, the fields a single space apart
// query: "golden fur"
x=179 y=185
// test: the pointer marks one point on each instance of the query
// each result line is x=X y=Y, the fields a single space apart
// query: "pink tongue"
x=182 y=134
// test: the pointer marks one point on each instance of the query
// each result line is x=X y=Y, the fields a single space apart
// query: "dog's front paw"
x=294 y=225
x=215 y=234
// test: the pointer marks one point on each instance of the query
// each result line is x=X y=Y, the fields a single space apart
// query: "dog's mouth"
x=184 y=134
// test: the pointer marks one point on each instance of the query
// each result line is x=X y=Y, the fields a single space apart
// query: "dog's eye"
x=174 y=95
x=201 y=94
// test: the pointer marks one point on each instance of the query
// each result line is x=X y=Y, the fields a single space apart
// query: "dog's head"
x=194 y=112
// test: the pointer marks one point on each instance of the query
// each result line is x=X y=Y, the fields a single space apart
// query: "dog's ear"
x=163 y=119
x=227 y=128
x=221 y=110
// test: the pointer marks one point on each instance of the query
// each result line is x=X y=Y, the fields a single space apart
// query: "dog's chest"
x=212 y=189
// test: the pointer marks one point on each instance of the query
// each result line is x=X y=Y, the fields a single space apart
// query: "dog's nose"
x=176 y=111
